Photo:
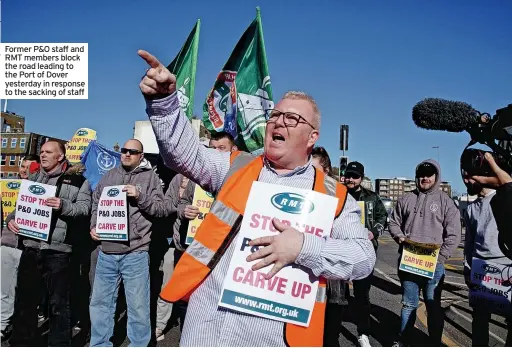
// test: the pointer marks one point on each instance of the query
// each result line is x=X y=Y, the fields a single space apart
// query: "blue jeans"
x=133 y=269
x=432 y=288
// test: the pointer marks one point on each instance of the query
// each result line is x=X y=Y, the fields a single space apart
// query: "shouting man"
x=291 y=133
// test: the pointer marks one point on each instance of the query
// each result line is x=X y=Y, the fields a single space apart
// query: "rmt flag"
x=184 y=67
x=242 y=92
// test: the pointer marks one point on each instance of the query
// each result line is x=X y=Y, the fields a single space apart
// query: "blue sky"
x=365 y=62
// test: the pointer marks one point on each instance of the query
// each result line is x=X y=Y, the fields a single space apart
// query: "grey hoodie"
x=428 y=217
x=482 y=233
x=180 y=224
x=72 y=218
x=150 y=204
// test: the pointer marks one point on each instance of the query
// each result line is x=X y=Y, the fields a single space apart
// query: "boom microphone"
x=445 y=115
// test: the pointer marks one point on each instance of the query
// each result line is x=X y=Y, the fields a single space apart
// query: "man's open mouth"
x=277 y=138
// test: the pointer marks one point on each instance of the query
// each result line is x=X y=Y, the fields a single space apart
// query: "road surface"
x=385 y=297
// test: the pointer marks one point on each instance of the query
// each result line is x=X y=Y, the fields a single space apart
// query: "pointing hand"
x=158 y=82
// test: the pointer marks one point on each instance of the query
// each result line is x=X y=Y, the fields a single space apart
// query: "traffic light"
x=343 y=165
x=344 y=137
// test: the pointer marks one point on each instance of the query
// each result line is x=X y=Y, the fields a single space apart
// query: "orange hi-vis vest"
x=220 y=227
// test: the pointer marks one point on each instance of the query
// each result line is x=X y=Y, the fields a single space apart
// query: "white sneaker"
x=364 y=341
x=397 y=344
x=159 y=333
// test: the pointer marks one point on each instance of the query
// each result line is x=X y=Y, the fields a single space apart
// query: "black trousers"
x=42 y=271
x=480 y=328
x=332 y=326
x=362 y=304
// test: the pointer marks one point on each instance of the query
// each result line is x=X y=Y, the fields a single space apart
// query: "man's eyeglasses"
x=290 y=119
x=352 y=176
x=124 y=151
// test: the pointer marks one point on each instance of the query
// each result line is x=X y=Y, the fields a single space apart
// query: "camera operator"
x=501 y=204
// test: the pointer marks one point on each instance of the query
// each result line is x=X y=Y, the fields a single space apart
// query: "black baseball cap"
x=426 y=169
x=355 y=168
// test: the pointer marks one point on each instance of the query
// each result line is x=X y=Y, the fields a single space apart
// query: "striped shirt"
x=348 y=254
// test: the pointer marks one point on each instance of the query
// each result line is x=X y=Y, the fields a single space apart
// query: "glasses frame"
x=352 y=176
x=132 y=152
x=281 y=113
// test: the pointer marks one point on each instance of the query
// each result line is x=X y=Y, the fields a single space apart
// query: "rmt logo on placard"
x=82 y=133
x=13 y=185
x=112 y=192
x=292 y=203
x=491 y=269
x=37 y=190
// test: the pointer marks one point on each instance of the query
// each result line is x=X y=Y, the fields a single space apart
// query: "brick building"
x=394 y=188
x=16 y=143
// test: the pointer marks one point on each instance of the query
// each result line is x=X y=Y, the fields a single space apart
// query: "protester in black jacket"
x=45 y=267
x=375 y=219
x=375 y=212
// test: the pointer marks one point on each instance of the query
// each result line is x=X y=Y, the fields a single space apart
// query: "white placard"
x=491 y=288
x=33 y=216
x=112 y=218
x=290 y=295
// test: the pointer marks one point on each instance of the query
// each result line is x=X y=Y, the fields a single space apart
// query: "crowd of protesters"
x=79 y=281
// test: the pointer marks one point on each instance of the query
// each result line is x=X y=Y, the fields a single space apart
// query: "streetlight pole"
x=437 y=147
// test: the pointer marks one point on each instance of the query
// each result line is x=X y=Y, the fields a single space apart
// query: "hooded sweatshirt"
x=179 y=203
x=150 y=204
x=482 y=233
x=72 y=218
x=428 y=217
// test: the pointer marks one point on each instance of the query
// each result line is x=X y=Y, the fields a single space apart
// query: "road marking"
x=460 y=285
x=396 y=282
x=453 y=267
x=456 y=259
x=496 y=337
x=421 y=313
x=423 y=319
x=387 y=277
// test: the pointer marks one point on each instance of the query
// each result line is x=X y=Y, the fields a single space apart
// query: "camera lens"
x=473 y=162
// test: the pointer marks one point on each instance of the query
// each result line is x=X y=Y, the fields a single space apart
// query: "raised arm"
x=468 y=245
x=178 y=143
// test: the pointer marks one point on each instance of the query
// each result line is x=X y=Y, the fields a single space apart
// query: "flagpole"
x=260 y=29
x=194 y=66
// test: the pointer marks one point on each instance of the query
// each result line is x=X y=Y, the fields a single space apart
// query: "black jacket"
x=375 y=214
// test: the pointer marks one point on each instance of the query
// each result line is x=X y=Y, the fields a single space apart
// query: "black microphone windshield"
x=446 y=115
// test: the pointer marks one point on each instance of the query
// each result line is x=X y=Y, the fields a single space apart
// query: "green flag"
x=242 y=92
x=184 y=67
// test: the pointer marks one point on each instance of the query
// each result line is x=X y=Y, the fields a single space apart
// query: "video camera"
x=453 y=116
x=495 y=132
